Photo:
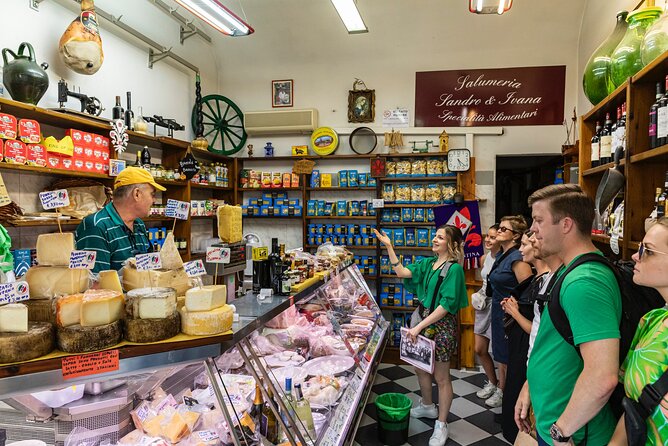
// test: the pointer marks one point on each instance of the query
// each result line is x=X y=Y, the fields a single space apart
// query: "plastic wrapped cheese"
x=177 y=279
x=101 y=307
x=47 y=282
x=55 y=249
x=229 y=223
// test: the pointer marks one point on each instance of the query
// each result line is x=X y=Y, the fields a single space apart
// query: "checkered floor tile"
x=470 y=422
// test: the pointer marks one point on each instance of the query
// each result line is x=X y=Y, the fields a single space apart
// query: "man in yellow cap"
x=116 y=232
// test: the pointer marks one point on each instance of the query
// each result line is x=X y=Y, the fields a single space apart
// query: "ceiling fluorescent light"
x=218 y=16
x=490 y=6
x=350 y=16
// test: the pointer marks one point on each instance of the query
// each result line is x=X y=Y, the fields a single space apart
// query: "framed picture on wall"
x=281 y=93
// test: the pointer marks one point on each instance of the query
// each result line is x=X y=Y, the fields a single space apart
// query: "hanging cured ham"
x=80 y=46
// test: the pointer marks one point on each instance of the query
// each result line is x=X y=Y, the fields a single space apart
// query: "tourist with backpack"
x=570 y=384
x=644 y=371
x=507 y=272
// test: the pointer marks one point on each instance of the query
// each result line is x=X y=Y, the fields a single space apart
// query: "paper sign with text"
x=14 y=292
x=82 y=259
x=91 y=364
x=398 y=117
x=148 y=261
x=177 y=209
x=4 y=195
x=207 y=436
x=378 y=203
x=195 y=268
x=54 y=199
x=217 y=255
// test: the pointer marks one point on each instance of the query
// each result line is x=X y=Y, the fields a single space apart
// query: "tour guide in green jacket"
x=116 y=232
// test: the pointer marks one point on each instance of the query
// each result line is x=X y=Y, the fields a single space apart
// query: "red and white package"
x=36 y=155
x=79 y=164
x=88 y=140
x=67 y=163
x=7 y=126
x=29 y=131
x=78 y=150
x=16 y=152
x=88 y=153
x=105 y=156
x=97 y=141
x=89 y=166
x=97 y=154
x=77 y=136
x=99 y=167
x=105 y=143
x=53 y=161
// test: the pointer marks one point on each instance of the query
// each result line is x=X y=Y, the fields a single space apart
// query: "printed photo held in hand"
x=418 y=352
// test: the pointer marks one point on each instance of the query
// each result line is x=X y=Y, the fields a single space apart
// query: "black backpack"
x=636 y=302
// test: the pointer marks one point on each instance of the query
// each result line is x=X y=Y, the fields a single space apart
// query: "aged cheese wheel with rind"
x=17 y=347
x=78 y=339
x=152 y=330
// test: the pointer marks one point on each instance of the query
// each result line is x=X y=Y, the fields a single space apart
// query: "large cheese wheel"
x=78 y=339
x=150 y=303
x=177 y=279
x=152 y=330
x=17 y=347
x=41 y=310
x=206 y=323
x=47 y=282
x=101 y=307
x=55 y=249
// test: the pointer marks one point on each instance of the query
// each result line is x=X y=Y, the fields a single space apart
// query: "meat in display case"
x=297 y=369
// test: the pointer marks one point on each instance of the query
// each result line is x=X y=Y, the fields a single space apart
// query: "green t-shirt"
x=452 y=293
x=646 y=361
x=592 y=302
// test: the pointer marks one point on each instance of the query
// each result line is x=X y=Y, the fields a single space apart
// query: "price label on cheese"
x=378 y=203
x=168 y=401
x=217 y=254
x=195 y=268
x=90 y=364
x=142 y=411
x=82 y=259
x=207 y=436
x=148 y=261
x=177 y=209
x=14 y=292
x=54 y=199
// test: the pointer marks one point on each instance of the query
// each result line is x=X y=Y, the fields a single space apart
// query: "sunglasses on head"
x=642 y=250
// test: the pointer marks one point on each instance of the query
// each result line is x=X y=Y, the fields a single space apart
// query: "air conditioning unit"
x=281 y=121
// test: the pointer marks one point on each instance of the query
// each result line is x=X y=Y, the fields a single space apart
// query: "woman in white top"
x=482 y=327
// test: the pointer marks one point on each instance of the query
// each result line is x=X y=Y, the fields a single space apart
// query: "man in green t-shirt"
x=569 y=391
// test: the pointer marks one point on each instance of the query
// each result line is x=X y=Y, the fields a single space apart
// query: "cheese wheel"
x=169 y=254
x=177 y=279
x=206 y=323
x=151 y=303
x=13 y=318
x=55 y=249
x=17 y=347
x=101 y=307
x=41 y=310
x=68 y=310
x=109 y=280
x=47 y=282
x=78 y=339
x=152 y=330
x=206 y=298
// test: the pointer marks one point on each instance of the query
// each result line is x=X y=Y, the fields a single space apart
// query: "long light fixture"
x=218 y=16
x=350 y=16
x=490 y=6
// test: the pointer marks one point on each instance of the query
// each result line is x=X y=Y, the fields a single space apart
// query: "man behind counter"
x=116 y=232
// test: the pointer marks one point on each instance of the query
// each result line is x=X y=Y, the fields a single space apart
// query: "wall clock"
x=459 y=160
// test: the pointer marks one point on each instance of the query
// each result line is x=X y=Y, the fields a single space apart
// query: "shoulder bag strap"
x=444 y=272
x=652 y=394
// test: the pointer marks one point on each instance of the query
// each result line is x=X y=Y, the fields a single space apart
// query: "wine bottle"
x=258 y=405
x=303 y=412
x=606 y=140
x=146 y=158
x=653 y=141
x=288 y=401
x=596 y=146
x=275 y=266
x=117 y=111
x=655 y=212
x=138 y=160
x=129 y=115
x=268 y=422
x=621 y=131
x=662 y=118
x=661 y=205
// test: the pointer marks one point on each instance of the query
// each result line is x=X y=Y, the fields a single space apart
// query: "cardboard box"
x=29 y=131
x=326 y=180
x=67 y=163
x=36 y=155
x=15 y=152
x=8 y=126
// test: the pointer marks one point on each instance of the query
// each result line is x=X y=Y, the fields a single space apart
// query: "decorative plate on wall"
x=324 y=141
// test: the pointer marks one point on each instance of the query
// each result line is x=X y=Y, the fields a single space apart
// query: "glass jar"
x=655 y=42
x=626 y=60
x=596 y=77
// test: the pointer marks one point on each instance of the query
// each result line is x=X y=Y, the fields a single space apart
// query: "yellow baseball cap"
x=135 y=175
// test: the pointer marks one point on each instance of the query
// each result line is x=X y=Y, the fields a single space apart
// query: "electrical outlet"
x=34 y=4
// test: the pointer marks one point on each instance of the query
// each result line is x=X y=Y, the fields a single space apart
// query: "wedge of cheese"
x=206 y=298
x=101 y=307
x=68 y=310
x=14 y=318
x=109 y=281
x=151 y=303
x=55 y=249
x=169 y=254
x=177 y=279
x=47 y=282
x=206 y=323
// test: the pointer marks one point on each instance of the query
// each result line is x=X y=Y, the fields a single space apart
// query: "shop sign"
x=490 y=97
x=177 y=209
x=90 y=364
x=396 y=118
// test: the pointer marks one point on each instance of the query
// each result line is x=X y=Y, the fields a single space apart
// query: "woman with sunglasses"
x=647 y=359
x=508 y=271
x=446 y=294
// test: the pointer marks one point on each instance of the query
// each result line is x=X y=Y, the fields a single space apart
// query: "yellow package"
x=230 y=229
x=326 y=180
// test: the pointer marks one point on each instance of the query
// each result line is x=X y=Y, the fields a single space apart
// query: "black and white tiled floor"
x=470 y=423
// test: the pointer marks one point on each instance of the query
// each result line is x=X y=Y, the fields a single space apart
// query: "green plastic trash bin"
x=394 y=415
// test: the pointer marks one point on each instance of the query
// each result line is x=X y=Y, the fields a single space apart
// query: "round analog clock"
x=459 y=160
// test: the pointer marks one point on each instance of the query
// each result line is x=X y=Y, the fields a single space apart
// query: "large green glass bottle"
x=655 y=42
x=626 y=60
x=595 y=80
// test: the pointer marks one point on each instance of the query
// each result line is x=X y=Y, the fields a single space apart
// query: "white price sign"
x=398 y=117
x=378 y=203
x=217 y=255
x=54 y=199
x=82 y=259
x=14 y=292
x=148 y=261
x=177 y=209
x=207 y=436
x=195 y=268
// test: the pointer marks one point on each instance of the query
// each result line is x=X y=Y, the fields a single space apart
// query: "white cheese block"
x=55 y=249
x=151 y=303
x=68 y=310
x=177 y=279
x=101 y=307
x=152 y=330
x=169 y=254
x=47 y=282
x=206 y=298
x=14 y=318
x=17 y=347
x=206 y=323
x=109 y=281
x=78 y=339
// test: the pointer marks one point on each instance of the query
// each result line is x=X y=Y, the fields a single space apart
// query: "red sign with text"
x=490 y=97
x=91 y=364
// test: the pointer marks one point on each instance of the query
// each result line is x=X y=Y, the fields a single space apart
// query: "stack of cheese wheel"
x=53 y=278
x=90 y=321
x=206 y=311
x=151 y=315
x=21 y=340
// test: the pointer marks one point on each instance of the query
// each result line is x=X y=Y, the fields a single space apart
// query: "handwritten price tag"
x=14 y=292
x=217 y=255
x=82 y=259
x=148 y=261
x=207 y=436
x=54 y=199
x=378 y=203
x=195 y=268
x=177 y=209
x=91 y=364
